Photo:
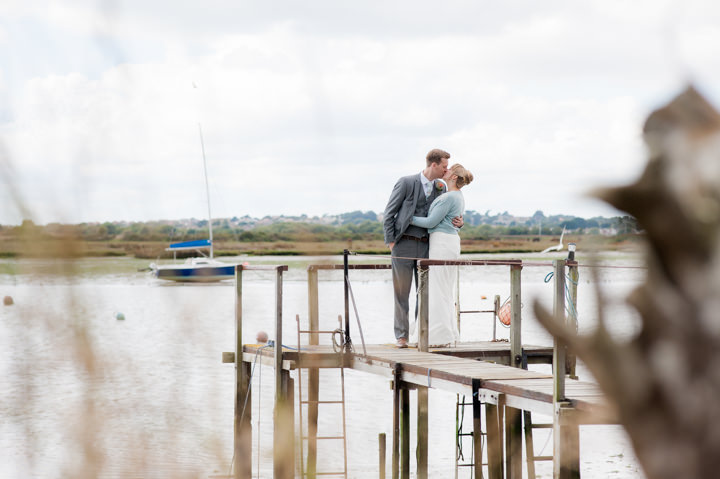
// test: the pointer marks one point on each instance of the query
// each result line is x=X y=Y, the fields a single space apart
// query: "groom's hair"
x=436 y=155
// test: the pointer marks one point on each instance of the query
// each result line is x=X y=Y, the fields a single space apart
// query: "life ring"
x=505 y=313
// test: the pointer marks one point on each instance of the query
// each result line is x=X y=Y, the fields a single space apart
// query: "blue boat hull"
x=189 y=273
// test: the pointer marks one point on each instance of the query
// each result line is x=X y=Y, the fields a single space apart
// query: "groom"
x=411 y=196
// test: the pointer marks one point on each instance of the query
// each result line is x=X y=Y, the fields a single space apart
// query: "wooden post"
x=529 y=445
x=405 y=430
x=559 y=349
x=477 y=429
x=513 y=443
x=423 y=286
x=422 y=432
x=396 y=423
x=313 y=374
x=284 y=438
x=566 y=442
x=283 y=451
x=243 y=405
x=422 y=392
x=516 y=316
x=382 y=448
x=573 y=276
x=494 y=442
x=513 y=418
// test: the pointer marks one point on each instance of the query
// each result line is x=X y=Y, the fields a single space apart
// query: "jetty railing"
x=566 y=436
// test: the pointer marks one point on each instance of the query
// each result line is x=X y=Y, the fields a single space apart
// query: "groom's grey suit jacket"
x=407 y=199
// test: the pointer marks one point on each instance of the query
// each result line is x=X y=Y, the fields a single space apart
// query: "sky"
x=318 y=107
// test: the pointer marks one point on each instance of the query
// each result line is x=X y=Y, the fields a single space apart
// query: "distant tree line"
x=355 y=225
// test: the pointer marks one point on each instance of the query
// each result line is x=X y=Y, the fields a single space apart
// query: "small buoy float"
x=261 y=337
x=119 y=316
x=7 y=300
x=483 y=297
x=505 y=313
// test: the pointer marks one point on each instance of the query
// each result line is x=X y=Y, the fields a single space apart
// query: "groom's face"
x=438 y=170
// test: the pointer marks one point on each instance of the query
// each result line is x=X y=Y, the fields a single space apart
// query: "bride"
x=444 y=244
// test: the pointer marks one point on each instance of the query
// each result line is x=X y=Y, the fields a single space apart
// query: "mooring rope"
x=357 y=316
x=569 y=306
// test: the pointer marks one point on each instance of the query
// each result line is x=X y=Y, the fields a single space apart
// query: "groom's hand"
x=458 y=222
x=391 y=245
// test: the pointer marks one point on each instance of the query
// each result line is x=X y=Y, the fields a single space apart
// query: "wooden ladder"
x=530 y=456
x=312 y=472
x=461 y=435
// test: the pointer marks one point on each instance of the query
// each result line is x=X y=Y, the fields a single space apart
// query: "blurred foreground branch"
x=666 y=381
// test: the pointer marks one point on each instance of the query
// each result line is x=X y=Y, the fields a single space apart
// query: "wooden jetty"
x=493 y=374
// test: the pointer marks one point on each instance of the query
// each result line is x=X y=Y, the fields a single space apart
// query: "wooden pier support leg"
x=382 y=448
x=313 y=374
x=513 y=443
x=422 y=432
x=313 y=394
x=494 y=442
x=243 y=402
x=243 y=427
x=566 y=442
x=396 y=425
x=529 y=444
x=405 y=431
x=477 y=430
x=284 y=434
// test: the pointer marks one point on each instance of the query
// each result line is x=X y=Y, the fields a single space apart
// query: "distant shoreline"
x=70 y=248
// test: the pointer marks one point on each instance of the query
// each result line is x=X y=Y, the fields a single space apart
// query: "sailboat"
x=200 y=269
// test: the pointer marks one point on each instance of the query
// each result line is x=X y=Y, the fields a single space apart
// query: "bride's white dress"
x=442 y=321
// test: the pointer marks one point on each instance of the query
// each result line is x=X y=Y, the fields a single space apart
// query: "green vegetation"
x=300 y=235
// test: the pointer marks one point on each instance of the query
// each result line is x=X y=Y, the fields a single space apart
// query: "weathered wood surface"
x=520 y=383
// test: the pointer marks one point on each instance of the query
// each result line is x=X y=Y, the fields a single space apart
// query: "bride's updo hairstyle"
x=464 y=176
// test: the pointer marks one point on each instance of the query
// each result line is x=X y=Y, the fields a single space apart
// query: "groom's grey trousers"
x=403 y=272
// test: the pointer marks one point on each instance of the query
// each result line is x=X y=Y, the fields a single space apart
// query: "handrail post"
x=313 y=373
x=513 y=418
x=346 y=284
x=573 y=276
x=423 y=310
x=559 y=347
x=283 y=434
x=422 y=392
x=566 y=440
x=516 y=318
x=242 y=426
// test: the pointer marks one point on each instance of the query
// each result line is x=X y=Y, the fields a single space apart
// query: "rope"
x=569 y=306
x=357 y=317
x=459 y=425
x=338 y=347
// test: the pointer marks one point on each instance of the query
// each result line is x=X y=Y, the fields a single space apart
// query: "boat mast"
x=207 y=189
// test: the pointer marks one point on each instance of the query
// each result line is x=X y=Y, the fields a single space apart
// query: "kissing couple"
x=422 y=219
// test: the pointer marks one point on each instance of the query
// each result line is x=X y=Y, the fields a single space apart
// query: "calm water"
x=86 y=395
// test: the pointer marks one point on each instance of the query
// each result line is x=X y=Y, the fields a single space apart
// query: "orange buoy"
x=505 y=313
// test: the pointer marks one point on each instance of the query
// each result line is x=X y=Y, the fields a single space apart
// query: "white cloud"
x=310 y=113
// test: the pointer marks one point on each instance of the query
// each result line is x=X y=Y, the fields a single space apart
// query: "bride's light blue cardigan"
x=442 y=211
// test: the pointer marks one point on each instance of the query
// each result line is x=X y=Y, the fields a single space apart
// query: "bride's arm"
x=438 y=210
